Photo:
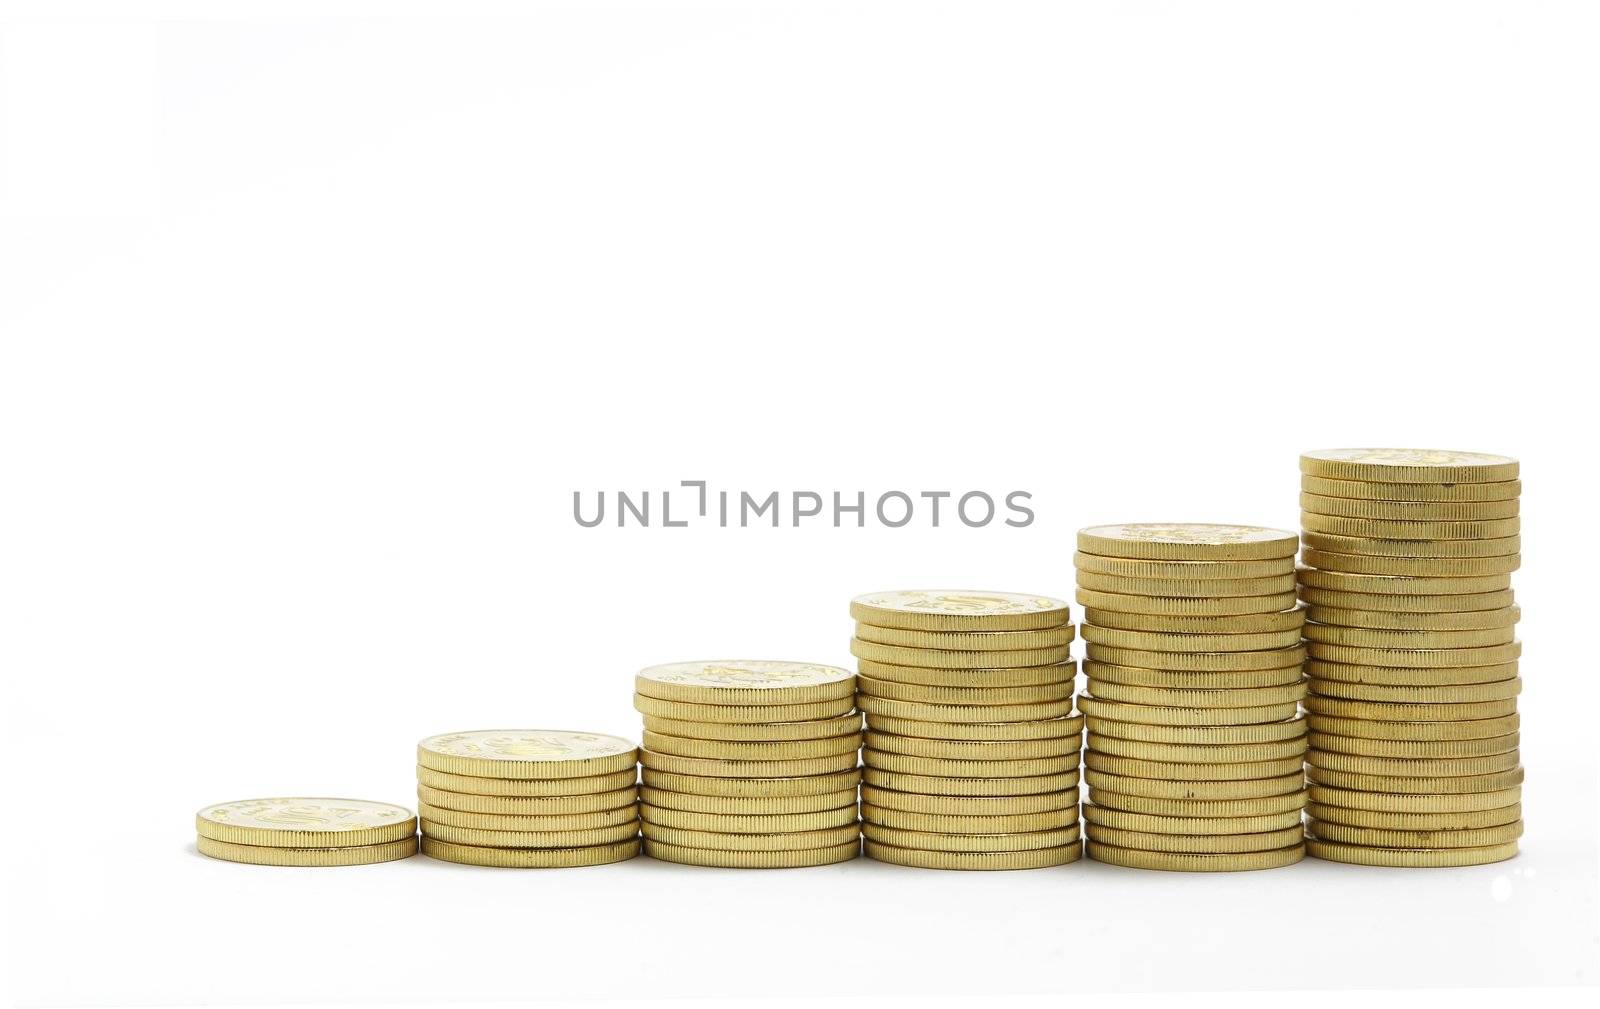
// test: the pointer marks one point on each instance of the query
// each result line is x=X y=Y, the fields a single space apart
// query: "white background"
x=316 y=314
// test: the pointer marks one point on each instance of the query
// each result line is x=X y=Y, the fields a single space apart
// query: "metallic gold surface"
x=705 y=785
x=742 y=713
x=1498 y=690
x=1063 y=727
x=1414 y=550
x=752 y=859
x=1156 y=824
x=474 y=785
x=968 y=805
x=800 y=840
x=711 y=767
x=1188 y=679
x=526 y=753
x=941 y=659
x=1183 y=862
x=924 y=840
x=533 y=824
x=1399 y=676
x=821 y=728
x=746 y=805
x=305 y=822
x=1195 y=844
x=963 y=713
x=1423 y=658
x=1380 y=711
x=1038 y=858
x=946 y=824
x=263 y=854
x=1377 y=838
x=1413 y=767
x=531 y=839
x=1224 y=753
x=1185 y=588
x=1505 y=616
x=966 y=749
x=1267 y=805
x=1180 y=606
x=1187 y=570
x=724 y=749
x=1400 y=802
x=1409 y=857
x=973 y=695
x=1372 y=528
x=946 y=767
x=1230 y=698
x=1416 y=749
x=967 y=641
x=1151 y=714
x=1209 y=791
x=1180 y=771
x=759 y=823
x=520 y=805
x=1200 y=735
x=1271 y=658
x=1408 y=465
x=1408 y=511
x=1421 y=586
x=1244 y=623
x=1369 y=490
x=1365 y=728
x=1186 y=541
x=1468 y=820
x=933 y=785
x=1419 y=567
x=1157 y=641
x=530 y=858
x=745 y=682
x=1458 y=784
x=958 y=610
x=1372 y=637
x=1015 y=676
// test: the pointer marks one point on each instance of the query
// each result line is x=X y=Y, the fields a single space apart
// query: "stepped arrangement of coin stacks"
x=749 y=764
x=972 y=748
x=1411 y=627
x=306 y=831
x=528 y=798
x=1194 y=668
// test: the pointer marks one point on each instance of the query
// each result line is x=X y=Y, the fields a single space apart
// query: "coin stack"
x=1413 y=669
x=1194 y=667
x=306 y=831
x=528 y=798
x=972 y=747
x=749 y=764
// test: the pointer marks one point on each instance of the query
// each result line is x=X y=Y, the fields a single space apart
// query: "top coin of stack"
x=1194 y=669
x=749 y=763
x=1413 y=655
x=972 y=748
x=528 y=798
x=306 y=831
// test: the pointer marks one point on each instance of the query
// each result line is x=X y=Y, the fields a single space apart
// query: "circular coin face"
x=526 y=753
x=1408 y=465
x=1187 y=541
x=955 y=609
x=746 y=674
x=305 y=822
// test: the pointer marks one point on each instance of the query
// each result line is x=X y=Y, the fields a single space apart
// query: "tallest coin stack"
x=1413 y=670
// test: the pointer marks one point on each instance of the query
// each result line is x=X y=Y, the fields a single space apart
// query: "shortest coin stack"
x=528 y=798
x=749 y=763
x=306 y=831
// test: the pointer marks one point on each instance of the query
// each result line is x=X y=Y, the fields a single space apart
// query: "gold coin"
x=267 y=854
x=1414 y=767
x=527 y=805
x=1195 y=844
x=1471 y=820
x=745 y=682
x=1186 y=587
x=724 y=749
x=1393 y=603
x=946 y=767
x=1375 y=838
x=939 y=659
x=752 y=859
x=1477 y=728
x=932 y=785
x=1155 y=788
x=1437 y=785
x=1476 y=587
x=1386 y=529
x=800 y=840
x=1237 y=697
x=944 y=824
x=1370 y=637
x=1383 y=711
x=969 y=749
x=1409 y=550
x=530 y=823
x=1186 y=862
x=305 y=822
x=1410 y=858
x=756 y=823
x=922 y=712
x=752 y=805
x=474 y=785
x=531 y=839
x=1418 y=749
x=1420 y=567
x=1399 y=676
x=1464 y=692
x=1186 y=541
x=1185 y=570
x=713 y=768
x=695 y=784
x=1400 y=802
x=968 y=641
x=530 y=858
x=1501 y=490
x=1273 y=658
x=1388 y=620
x=1183 y=771
x=1408 y=465
x=1408 y=511
x=1038 y=858
x=969 y=805
x=925 y=840
x=747 y=713
x=1266 y=805
x=1200 y=735
x=1201 y=825
x=1223 y=753
x=1244 y=623
x=1151 y=714
x=959 y=610
x=1155 y=641
x=527 y=753
x=1185 y=679
x=1187 y=606
x=766 y=732
x=1015 y=676
x=1483 y=655
x=1066 y=727
x=980 y=696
